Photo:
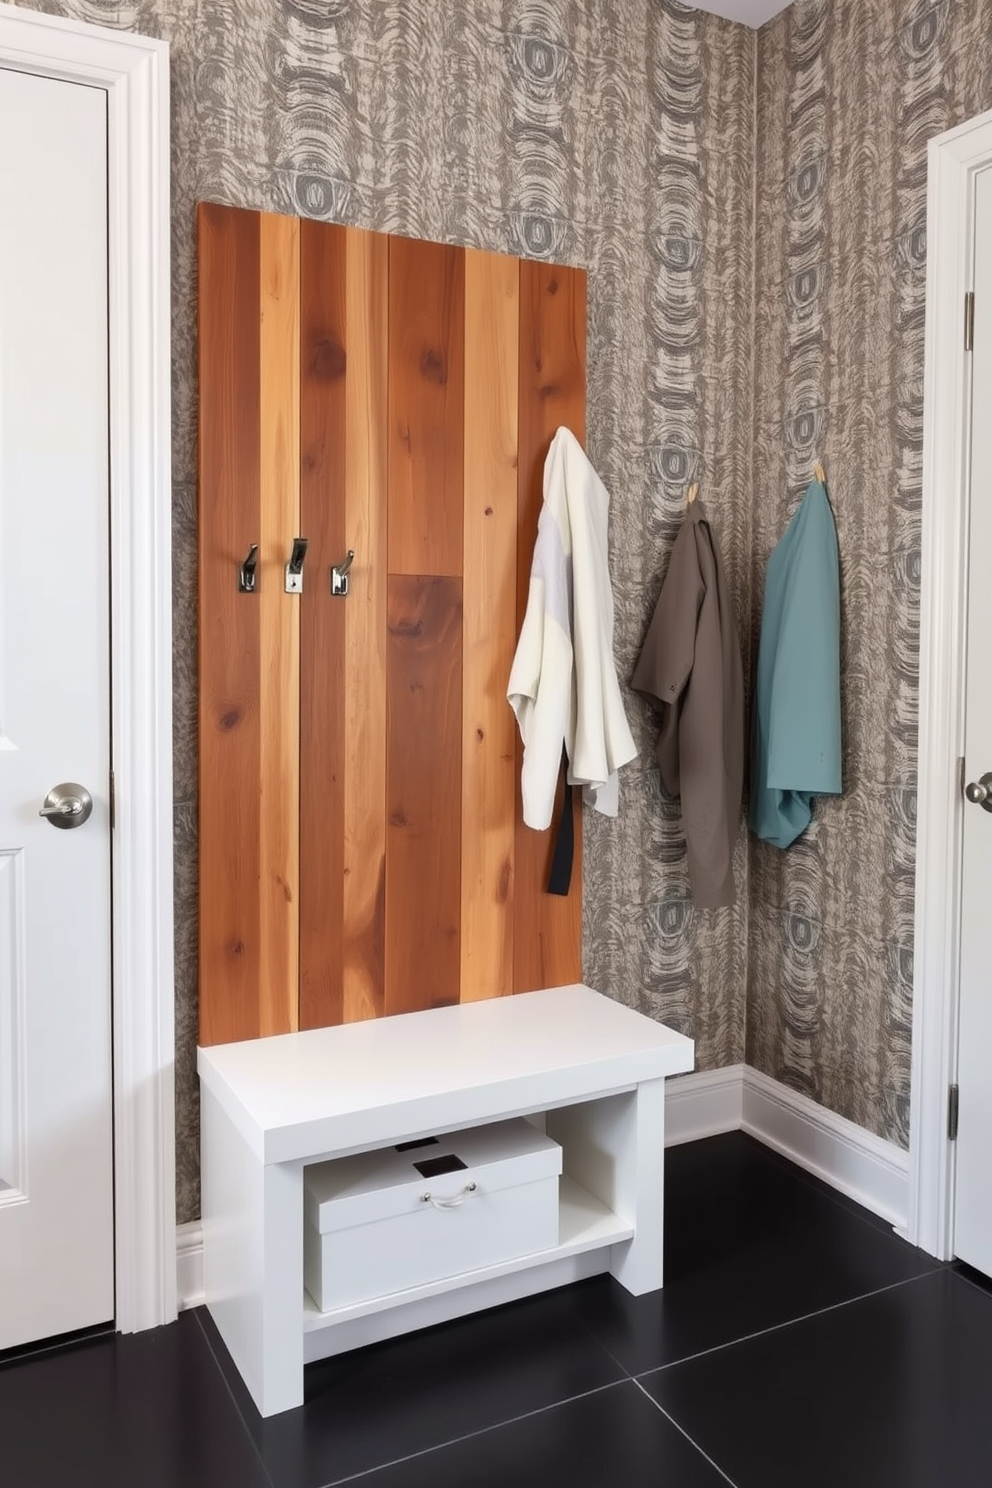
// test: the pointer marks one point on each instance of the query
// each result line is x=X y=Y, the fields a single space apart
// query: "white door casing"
x=955 y=160
x=56 y=1109
x=134 y=72
x=973 y=1174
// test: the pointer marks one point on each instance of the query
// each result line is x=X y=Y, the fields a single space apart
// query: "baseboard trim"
x=189 y=1265
x=866 y=1168
x=703 y=1104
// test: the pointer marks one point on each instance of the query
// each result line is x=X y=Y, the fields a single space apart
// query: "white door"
x=973 y=1192
x=56 y=1177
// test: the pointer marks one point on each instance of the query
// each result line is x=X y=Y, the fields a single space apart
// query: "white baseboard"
x=869 y=1170
x=738 y=1098
x=703 y=1104
x=189 y=1265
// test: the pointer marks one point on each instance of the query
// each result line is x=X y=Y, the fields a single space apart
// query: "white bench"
x=594 y=1069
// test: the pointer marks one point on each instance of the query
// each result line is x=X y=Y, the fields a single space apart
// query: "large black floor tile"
x=392 y=1399
x=749 y=1245
x=149 y=1409
x=890 y=1392
x=616 y=1438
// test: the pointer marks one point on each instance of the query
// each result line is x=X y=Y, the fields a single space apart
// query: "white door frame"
x=134 y=70
x=954 y=158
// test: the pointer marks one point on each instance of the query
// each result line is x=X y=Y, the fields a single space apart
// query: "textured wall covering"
x=619 y=134
x=674 y=385
x=614 y=134
x=849 y=92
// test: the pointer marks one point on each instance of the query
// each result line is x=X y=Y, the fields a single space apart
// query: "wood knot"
x=432 y=366
x=329 y=360
x=409 y=629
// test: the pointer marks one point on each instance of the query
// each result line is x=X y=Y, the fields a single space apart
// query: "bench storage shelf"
x=585 y=1069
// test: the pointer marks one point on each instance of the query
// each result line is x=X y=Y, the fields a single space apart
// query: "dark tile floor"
x=797 y=1344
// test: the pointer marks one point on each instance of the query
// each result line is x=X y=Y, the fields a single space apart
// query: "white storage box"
x=384 y=1221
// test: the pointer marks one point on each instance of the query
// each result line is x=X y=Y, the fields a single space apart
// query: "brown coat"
x=691 y=664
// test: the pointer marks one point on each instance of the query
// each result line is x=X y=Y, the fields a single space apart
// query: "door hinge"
x=969 y=320
x=112 y=793
x=953 y=1105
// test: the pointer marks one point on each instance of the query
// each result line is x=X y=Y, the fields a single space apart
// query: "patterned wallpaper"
x=614 y=134
x=620 y=135
x=849 y=92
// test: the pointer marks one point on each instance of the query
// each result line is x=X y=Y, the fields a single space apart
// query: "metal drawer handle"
x=448 y=1203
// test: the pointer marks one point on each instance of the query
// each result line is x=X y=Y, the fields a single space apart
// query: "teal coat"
x=796 y=742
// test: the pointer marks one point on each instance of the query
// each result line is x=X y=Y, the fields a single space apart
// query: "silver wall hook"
x=294 y=568
x=339 y=575
x=246 y=571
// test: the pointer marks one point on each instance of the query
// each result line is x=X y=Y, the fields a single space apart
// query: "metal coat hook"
x=339 y=575
x=246 y=571
x=294 y=568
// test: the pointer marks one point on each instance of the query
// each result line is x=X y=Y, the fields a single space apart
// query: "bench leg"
x=253 y=1260
x=638 y=1264
x=614 y=1146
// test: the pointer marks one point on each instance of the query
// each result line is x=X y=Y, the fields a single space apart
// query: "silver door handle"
x=979 y=792
x=67 y=805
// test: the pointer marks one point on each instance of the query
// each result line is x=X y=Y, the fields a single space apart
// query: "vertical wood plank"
x=492 y=313
x=426 y=406
x=323 y=730
x=344 y=276
x=366 y=446
x=547 y=927
x=423 y=791
x=279 y=618
x=230 y=644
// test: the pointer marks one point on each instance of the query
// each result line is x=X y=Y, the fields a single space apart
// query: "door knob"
x=979 y=792
x=67 y=805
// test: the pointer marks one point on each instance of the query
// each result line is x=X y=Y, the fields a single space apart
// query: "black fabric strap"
x=560 y=877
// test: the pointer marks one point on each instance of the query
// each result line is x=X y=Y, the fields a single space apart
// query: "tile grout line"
x=233 y=1398
x=780 y=1327
x=469 y=1435
x=714 y=1465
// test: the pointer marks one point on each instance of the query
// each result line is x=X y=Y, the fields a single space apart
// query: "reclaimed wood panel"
x=344 y=292
x=423 y=791
x=323 y=481
x=366 y=445
x=279 y=619
x=492 y=314
x=362 y=848
x=426 y=406
x=547 y=942
x=230 y=634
